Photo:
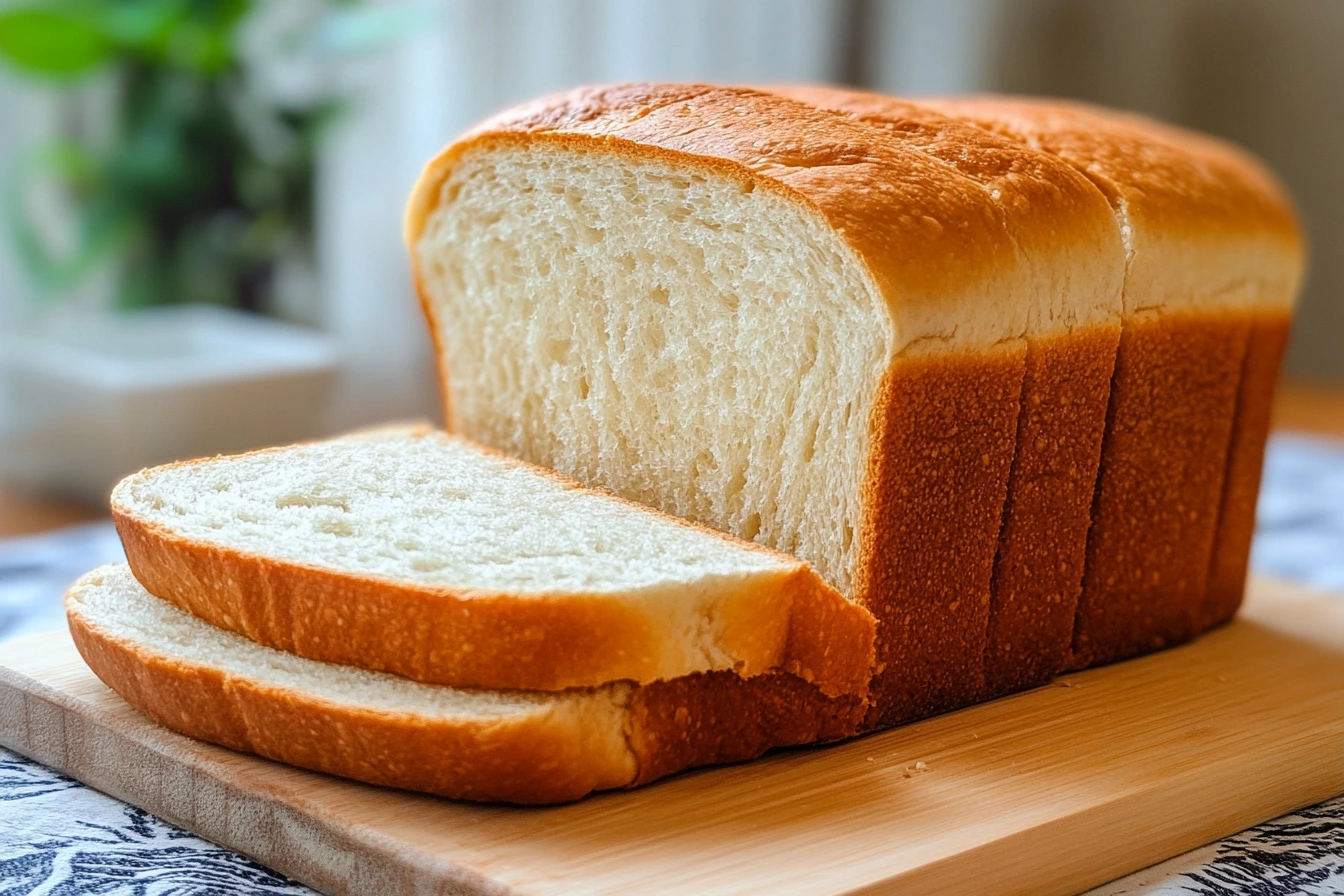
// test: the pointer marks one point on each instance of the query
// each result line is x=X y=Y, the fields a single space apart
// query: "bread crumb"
x=911 y=770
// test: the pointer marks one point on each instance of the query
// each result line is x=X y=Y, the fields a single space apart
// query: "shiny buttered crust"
x=1210 y=226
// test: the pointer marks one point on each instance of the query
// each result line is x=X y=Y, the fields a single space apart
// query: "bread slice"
x=769 y=318
x=1214 y=260
x=513 y=746
x=418 y=553
x=1072 y=333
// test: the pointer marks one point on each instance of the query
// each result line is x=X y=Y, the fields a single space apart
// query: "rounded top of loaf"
x=1039 y=195
x=1200 y=215
x=932 y=239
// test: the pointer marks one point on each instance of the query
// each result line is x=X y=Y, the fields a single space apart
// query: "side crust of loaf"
x=1072 y=336
x=1213 y=242
x=789 y=621
x=1038 y=570
x=940 y=473
x=591 y=739
x=1161 y=484
x=1245 y=460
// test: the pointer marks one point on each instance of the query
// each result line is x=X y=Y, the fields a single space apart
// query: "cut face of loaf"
x=422 y=554
x=782 y=322
x=1214 y=260
x=515 y=746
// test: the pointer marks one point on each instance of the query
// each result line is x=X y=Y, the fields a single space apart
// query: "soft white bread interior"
x=675 y=335
x=513 y=746
x=426 y=555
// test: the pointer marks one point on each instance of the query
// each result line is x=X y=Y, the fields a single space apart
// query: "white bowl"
x=89 y=399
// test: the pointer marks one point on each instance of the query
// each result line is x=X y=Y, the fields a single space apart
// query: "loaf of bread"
x=1214 y=259
x=997 y=372
x=515 y=746
x=413 y=552
x=779 y=321
x=663 y=190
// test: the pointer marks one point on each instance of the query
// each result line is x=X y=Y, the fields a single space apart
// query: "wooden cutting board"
x=1051 y=791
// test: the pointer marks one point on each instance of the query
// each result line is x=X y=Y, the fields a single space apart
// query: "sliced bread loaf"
x=422 y=554
x=1214 y=261
x=1073 y=329
x=782 y=322
x=515 y=746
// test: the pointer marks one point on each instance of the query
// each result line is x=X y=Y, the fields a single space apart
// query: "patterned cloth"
x=60 y=838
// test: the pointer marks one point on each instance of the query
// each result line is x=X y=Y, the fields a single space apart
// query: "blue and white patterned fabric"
x=60 y=838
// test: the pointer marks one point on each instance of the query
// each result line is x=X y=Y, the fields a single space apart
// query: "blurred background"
x=201 y=199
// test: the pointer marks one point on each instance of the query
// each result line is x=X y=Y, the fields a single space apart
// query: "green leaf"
x=141 y=26
x=50 y=42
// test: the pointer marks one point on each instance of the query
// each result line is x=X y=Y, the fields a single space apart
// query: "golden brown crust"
x=1161 y=481
x=1072 y=338
x=717 y=717
x=1038 y=570
x=616 y=736
x=938 y=482
x=1174 y=184
x=541 y=758
x=790 y=620
x=1212 y=238
x=1241 y=484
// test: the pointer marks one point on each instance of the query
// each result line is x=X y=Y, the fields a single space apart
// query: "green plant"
x=201 y=186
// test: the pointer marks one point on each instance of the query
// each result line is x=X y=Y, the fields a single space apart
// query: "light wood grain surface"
x=1052 y=791
x=1313 y=408
x=24 y=512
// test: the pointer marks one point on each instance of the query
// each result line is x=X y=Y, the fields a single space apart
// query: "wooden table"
x=1315 y=408
x=1301 y=407
x=23 y=513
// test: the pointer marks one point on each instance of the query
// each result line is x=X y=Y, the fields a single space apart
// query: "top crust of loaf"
x=1027 y=186
x=943 y=273
x=1205 y=223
